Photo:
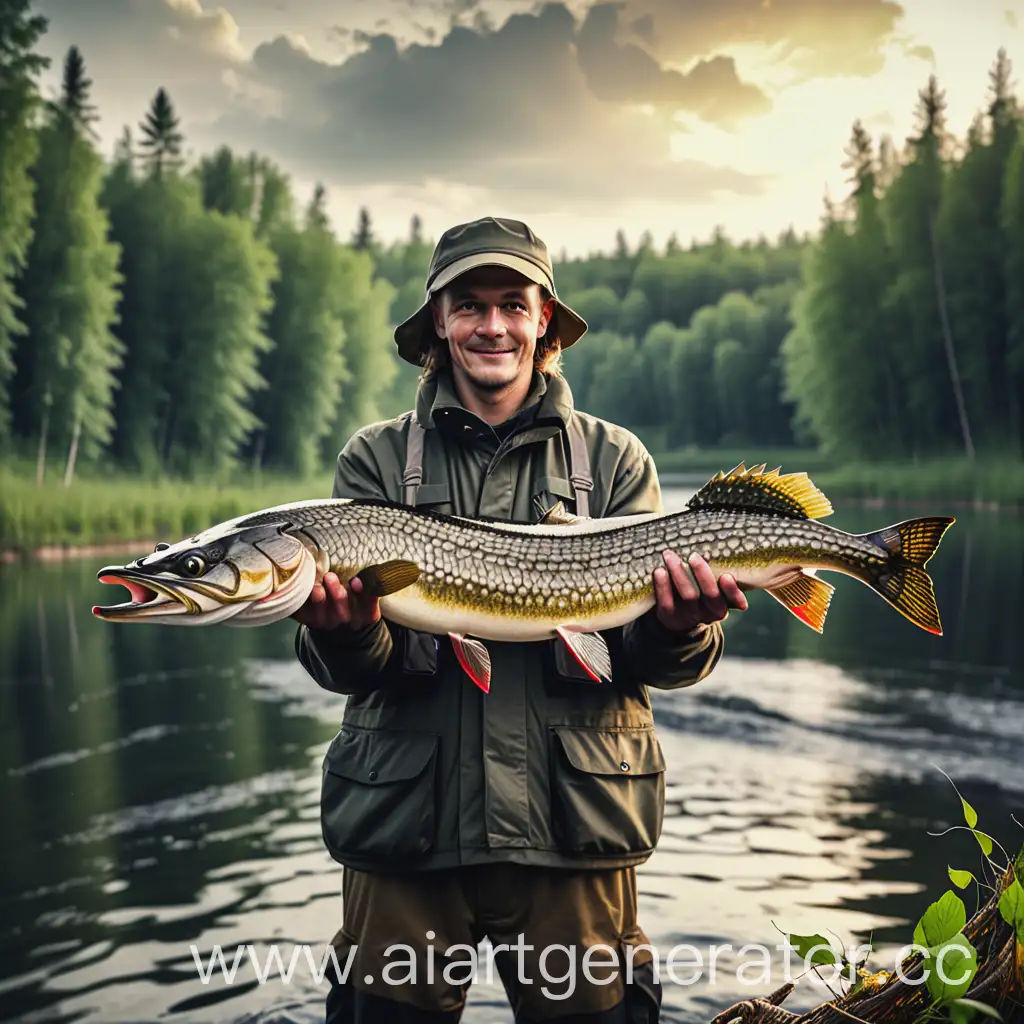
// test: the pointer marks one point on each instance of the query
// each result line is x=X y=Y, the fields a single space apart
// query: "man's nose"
x=492 y=323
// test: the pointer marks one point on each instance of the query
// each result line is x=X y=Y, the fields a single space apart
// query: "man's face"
x=491 y=318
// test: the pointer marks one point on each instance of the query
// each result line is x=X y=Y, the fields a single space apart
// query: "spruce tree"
x=363 y=239
x=67 y=365
x=316 y=211
x=74 y=97
x=19 y=101
x=161 y=138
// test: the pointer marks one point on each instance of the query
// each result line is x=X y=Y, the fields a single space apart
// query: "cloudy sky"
x=580 y=116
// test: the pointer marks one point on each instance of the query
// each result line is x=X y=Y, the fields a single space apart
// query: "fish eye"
x=193 y=565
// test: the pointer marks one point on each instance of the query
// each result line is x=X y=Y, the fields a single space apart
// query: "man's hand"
x=683 y=608
x=332 y=604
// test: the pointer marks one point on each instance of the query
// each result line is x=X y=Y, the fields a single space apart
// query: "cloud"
x=881 y=119
x=538 y=107
x=818 y=38
x=545 y=109
x=133 y=47
x=627 y=73
x=920 y=51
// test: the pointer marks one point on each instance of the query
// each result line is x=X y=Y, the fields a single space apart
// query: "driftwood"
x=999 y=982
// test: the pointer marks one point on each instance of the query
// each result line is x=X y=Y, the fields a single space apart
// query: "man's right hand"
x=331 y=604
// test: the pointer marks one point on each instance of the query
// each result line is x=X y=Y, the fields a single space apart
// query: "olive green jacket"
x=548 y=768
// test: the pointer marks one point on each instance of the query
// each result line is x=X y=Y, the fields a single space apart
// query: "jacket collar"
x=549 y=402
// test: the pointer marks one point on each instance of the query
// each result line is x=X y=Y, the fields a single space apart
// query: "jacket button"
x=373 y=775
x=624 y=766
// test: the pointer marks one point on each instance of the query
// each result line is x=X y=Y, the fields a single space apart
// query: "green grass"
x=118 y=509
x=996 y=481
x=988 y=481
x=708 y=461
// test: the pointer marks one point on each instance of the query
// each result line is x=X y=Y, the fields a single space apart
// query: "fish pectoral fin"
x=807 y=598
x=474 y=659
x=590 y=650
x=388 y=577
x=557 y=516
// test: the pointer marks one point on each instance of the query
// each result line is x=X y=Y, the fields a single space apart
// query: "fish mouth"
x=148 y=598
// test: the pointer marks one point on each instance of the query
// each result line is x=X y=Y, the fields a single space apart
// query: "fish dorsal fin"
x=754 y=490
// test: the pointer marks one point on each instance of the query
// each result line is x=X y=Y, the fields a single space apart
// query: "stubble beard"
x=494 y=384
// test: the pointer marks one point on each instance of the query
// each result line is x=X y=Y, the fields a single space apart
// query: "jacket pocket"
x=378 y=796
x=608 y=791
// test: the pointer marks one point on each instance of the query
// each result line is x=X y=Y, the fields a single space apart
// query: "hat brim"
x=413 y=335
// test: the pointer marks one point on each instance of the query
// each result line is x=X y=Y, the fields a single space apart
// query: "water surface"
x=160 y=789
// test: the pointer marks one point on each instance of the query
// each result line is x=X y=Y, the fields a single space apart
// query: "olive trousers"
x=565 y=946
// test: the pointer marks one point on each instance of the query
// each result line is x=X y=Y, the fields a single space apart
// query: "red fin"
x=474 y=659
x=807 y=598
x=590 y=651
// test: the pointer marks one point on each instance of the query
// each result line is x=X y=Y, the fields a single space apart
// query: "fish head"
x=244 y=575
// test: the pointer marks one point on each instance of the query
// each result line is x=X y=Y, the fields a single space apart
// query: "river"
x=160 y=790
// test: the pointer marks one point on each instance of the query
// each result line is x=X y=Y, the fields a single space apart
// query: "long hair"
x=547 y=358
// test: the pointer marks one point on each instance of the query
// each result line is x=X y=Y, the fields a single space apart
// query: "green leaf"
x=970 y=814
x=1011 y=906
x=944 y=919
x=803 y=944
x=978 y=1006
x=959 y=1013
x=959 y=964
x=961 y=879
x=984 y=841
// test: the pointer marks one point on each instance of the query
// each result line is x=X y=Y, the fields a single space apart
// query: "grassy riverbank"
x=995 y=482
x=119 y=510
x=101 y=512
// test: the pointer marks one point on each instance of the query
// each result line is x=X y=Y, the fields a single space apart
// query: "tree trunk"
x=947 y=338
x=41 y=454
x=257 y=455
x=69 y=469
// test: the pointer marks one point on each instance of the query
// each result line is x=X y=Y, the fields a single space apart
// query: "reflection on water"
x=160 y=789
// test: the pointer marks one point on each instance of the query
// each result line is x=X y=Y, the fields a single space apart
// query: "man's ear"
x=546 y=313
x=438 y=316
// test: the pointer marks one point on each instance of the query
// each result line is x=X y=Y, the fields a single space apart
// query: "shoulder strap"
x=582 y=481
x=413 y=475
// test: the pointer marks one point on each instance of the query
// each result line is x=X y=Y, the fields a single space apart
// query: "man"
x=518 y=814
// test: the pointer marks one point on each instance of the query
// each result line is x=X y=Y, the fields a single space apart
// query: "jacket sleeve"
x=647 y=653
x=343 y=660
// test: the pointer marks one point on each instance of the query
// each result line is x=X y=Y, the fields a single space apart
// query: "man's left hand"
x=681 y=606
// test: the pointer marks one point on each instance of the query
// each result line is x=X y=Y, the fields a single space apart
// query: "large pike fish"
x=562 y=577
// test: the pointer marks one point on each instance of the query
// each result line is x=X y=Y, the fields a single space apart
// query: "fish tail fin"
x=902 y=580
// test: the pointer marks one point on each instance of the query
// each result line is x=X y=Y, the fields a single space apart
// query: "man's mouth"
x=492 y=352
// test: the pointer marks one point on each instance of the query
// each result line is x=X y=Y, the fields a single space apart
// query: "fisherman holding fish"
x=517 y=810
x=519 y=813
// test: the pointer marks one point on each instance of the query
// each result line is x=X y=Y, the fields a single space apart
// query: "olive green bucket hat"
x=489 y=241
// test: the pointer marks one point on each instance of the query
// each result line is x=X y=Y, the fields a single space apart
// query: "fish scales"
x=470 y=563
